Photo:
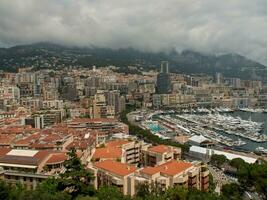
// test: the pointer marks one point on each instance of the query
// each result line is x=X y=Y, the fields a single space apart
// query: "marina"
x=191 y=128
x=256 y=117
x=223 y=110
x=230 y=125
x=240 y=130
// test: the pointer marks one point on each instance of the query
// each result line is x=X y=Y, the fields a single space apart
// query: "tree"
x=80 y=197
x=232 y=191
x=17 y=192
x=44 y=195
x=152 y=190
x=4 y=191
x=244 y=175
x=76 y=180
x=218 y=160
x=110 y=193
x=237 y=163
x=49 y=190
x=176 y=193
x=142 y=190
x=195 y=194
x=212 y=185
x=258 y=174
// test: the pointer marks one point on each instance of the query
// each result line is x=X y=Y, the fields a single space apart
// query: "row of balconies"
x=109 y=179
x=181 y=179
x=192 y=181
x=204 y=173
x=205 y=180
x=193 y=173
x=132 y=156
x=205 y=187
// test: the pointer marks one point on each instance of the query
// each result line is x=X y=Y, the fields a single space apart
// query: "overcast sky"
x=210 y=26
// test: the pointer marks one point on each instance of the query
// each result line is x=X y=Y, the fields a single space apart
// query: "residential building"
x=112 y=173
x=156 y=155
x=29 y=167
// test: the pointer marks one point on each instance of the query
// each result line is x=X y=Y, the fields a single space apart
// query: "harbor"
x=230 y=125
x=256 y=117
x=242 y=130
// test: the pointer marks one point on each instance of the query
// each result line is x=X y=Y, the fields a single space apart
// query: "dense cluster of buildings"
x=44 y=114
x=180 y=91
x=29 y=156
x=104 y=93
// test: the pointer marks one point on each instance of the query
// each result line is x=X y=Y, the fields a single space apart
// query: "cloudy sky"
x=210 y=26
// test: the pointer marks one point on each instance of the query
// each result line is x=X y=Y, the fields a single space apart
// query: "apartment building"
x=156 y=155
x=173 y=172
x=52 y=104
x=116 y=174
x=105 y=125
x=127 y=177
x=45 y=141
x=125 y=151
x=29 y=167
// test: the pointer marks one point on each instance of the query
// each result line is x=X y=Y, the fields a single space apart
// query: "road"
x=219 y=178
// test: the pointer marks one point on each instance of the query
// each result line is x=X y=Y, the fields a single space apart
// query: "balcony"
x=181 y=179
x=116 y=181
x=205 y=187
x=204 y=173
x=193 y=173
x=130 y=156
x=161 y=180
x=205 y=180
x=192 y=181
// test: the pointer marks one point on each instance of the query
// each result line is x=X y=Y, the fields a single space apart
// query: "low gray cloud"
x=210 y=26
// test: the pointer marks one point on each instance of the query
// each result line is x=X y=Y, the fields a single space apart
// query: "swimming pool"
x=155 y=128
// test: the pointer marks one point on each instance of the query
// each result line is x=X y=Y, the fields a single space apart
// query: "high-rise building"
x=99 y=108
x=235 y=82
x=113 y=98
x=164 y=67
x=219 y=79
x=163 y=79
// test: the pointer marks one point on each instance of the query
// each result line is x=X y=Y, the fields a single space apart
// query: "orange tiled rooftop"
x=107 y=152
x=57 y=158
x=116 y=168
x=160 y=149
x=171 y=168
x=117 y=143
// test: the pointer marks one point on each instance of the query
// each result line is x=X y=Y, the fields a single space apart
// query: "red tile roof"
x=6 y=138
x=170 y=168
x=78 y=144
x=160 y=149
x=116 y=168
x=88 y=120
x=25 y=160
x=4 y=151
x=57 y=158
x=117 y=143
x=40 y=155
x=107 y=152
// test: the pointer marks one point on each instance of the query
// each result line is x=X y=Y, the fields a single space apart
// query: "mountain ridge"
x=49 y=55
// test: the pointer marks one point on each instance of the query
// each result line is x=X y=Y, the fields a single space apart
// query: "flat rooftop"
x=19 y=152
